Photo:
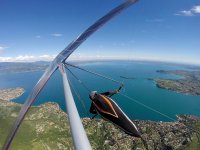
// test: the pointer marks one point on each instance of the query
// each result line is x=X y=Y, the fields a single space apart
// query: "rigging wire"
x=95 y=73
x=78 y=96
x=79 y=80
x=103 y=76
x=148 y=107
x=84 y=86
x=126 y=96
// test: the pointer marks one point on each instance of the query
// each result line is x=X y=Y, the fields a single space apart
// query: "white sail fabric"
x=61 y=57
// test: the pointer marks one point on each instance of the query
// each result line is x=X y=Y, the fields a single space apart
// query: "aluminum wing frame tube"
x=60 y=58
x=79 y=136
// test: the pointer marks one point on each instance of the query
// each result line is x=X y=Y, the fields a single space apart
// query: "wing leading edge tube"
x=60 y=58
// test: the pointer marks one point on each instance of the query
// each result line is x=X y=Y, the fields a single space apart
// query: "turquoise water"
x=141 y=89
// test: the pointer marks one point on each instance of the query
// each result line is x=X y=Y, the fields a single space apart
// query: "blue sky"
x=153 y=30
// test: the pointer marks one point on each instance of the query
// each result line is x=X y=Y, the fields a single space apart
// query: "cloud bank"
x=195 y=10
x=82 y=57
x=27 y=58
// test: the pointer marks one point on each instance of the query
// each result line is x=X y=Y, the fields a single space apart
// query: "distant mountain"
x=42 y=62
x=18 y=67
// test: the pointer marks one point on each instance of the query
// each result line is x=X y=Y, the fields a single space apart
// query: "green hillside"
x=46 y=128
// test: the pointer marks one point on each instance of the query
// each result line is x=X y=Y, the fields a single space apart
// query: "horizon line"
x=111 y=59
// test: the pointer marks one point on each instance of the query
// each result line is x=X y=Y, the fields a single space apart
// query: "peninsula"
x=11 y=93
x=189 y=84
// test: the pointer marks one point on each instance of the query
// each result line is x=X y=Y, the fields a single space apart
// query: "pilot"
x=103 y=104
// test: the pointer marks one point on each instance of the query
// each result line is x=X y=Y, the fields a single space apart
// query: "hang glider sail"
x=61 y=58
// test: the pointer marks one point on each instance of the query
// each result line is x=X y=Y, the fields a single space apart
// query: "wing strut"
x=60 y=58
x=77 y=130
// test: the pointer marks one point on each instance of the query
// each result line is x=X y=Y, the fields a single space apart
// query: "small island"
x=11 y=93
x=190 y=84
x=130 y=78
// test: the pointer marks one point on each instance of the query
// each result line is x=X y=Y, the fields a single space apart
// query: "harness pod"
x=102 y=104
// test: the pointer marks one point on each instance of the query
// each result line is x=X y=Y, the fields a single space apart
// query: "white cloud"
x=5 y=59
x=185 y=13
x=191 y=12
x=56 y=34
x=27 y=58
x=102 y=56
x=196 y=9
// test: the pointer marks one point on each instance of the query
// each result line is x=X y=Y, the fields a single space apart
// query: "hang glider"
x=61 y=58
x=105 y=106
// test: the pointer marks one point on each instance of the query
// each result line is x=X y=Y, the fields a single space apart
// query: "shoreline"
x=10 y=94
x=49 y=119
x=189 y=85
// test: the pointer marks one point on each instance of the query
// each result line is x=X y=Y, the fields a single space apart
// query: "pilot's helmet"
x=92 y=94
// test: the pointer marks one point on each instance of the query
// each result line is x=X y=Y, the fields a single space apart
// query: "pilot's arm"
x=111 y=93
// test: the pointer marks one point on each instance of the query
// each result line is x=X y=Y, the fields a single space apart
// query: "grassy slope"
x=46 y=127
x=195 y=145
x=43 y=127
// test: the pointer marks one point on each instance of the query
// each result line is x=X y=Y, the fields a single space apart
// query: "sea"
x=147 y=101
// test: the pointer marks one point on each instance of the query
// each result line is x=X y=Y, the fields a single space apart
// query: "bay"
x=139 y=88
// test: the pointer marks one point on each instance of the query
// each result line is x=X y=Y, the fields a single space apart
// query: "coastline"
x=189 y=85
x=48 y=124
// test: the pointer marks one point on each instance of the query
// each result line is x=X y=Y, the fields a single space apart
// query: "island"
x=46 y=127
x=189 y=84
x=131 y=78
